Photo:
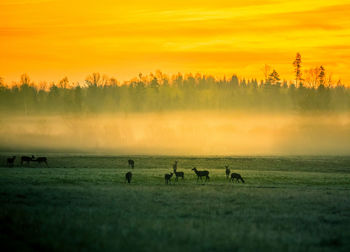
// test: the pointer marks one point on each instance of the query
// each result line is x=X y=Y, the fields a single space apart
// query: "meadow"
x=81 y=202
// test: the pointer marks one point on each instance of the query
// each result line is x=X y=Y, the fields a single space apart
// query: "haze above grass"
x=181 y=133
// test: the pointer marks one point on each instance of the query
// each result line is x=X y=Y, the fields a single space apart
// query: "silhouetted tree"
x=274 y=77
x=94 y=80
x=321 y=75
x=297 y=69
x=64 y=83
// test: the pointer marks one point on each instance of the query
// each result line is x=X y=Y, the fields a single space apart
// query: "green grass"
x=83 y=203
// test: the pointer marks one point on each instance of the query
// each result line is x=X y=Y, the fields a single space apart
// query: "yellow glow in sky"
x=50 y=39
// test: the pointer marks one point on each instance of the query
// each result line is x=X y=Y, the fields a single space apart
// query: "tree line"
x=310 y=91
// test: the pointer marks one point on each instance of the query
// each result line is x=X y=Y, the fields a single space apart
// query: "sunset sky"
x=52 y=39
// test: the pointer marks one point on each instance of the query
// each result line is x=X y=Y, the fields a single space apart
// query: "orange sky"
x=52 y=39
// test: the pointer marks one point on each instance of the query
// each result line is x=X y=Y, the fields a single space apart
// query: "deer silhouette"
x=11 y=161
x=167 y=177
x=201 y=174
x=131 y=163
x=128 y=177
x=26 y=159
x=175 y=166
x=227 y=171
x=41 y=160
x=237 y=177
x=177 y=174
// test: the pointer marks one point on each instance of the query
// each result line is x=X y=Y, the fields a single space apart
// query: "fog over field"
x=181 y=133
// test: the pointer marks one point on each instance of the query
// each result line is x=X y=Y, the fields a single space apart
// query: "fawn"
x=167 y=177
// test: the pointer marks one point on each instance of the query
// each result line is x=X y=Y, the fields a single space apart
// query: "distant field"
x=81 y=202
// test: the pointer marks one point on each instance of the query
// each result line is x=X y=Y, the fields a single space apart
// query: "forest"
x=312 y=90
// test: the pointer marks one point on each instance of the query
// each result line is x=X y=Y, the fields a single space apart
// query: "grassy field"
x=82 y=203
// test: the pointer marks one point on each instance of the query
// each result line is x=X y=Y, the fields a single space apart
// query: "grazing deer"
x=237 y=177
x=167 y=177
x=131 y=163
x=26 y=159
x=41 y=160
x=177 y=174
x=11 y=161
x=128 y=177
x=201 y=174
x=227 y=171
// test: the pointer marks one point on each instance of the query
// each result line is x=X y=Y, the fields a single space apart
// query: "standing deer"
x=11 y=161
x=177 y=174
x=175 y=166
x=237 y=177
x=26 y=159
x=131 y=163
x=167 y=177
x=201 y=174
x=41 y=160
x=227 y=171
x=128 y=177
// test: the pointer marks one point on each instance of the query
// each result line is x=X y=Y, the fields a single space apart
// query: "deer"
x=177 y=174
x=175 y=166
x=11 y=161
x=227 y=172
x=41 y=160
x=26 y=159
x=131 y=163
x=201 y=174
x=128 y=177
x=167 y=177
x=237 y=177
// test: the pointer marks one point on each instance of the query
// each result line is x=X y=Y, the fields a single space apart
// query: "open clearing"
x=83 y=203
